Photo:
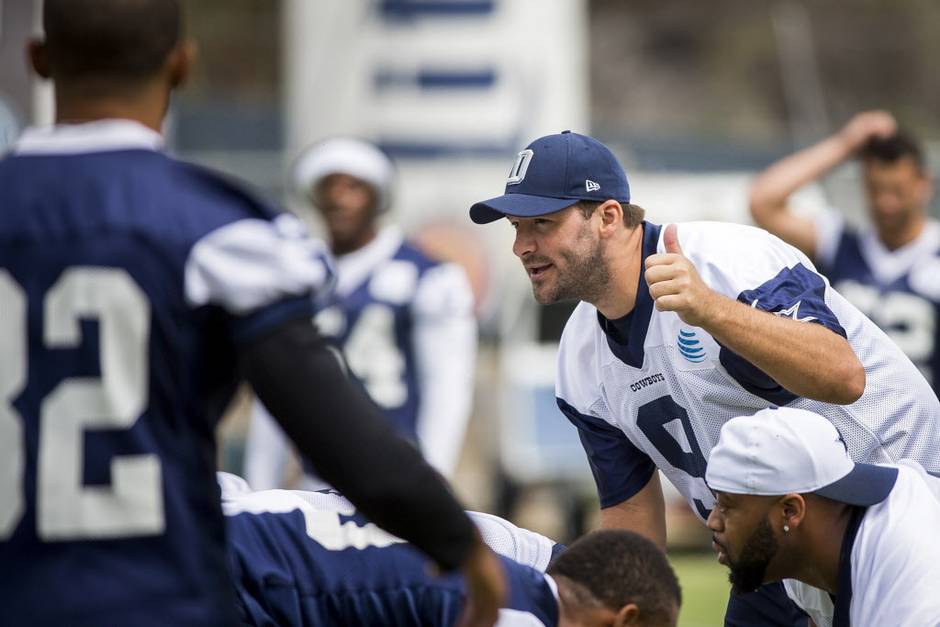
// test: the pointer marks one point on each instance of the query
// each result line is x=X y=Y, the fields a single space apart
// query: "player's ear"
x=628 y=615
x=180 y=61
x=794 y=510
x=38 y=56
x=611 y=214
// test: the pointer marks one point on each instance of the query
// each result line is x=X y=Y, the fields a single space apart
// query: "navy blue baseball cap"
x=555 y=172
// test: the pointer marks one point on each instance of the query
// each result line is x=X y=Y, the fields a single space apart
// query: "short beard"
x=748 y=571
x=586 y=277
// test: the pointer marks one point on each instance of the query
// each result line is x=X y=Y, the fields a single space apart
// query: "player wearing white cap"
x=859 y=539
x=392 y=312
x=686 y=326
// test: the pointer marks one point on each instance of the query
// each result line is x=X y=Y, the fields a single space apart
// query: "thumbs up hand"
x=676 y=286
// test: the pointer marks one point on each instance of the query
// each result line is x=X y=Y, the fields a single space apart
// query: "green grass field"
x=704 y=589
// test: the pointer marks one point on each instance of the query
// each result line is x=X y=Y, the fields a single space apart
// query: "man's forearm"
x=805 y=358
x=778 y=182
x=643 y=513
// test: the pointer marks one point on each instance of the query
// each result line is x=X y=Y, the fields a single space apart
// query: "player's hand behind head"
x=486 y=587
x=866 y=125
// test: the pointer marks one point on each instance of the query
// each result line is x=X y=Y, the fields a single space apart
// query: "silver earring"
x=786 y=528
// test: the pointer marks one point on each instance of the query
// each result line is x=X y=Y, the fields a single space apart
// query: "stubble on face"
x=583 y=275
x=749 y=568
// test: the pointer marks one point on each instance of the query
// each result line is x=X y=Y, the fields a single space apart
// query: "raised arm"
x=773 y=187
x=805 y=358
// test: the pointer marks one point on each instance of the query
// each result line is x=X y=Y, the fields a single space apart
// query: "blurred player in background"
x=792 y=505
x=307 y=558
x=685 y=327
x=403 y=321
x=888 y=270
x=135 y=292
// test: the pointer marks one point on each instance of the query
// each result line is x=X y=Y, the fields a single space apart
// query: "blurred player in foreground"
x=404 y=322
x=888 y=270
x=135 y=292
x=685 y=327
x=307 y=558
x=792 y=505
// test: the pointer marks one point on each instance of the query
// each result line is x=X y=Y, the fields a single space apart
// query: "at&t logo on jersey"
x=690 y=347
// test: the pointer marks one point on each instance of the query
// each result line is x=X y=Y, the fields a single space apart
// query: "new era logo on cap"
x=555 y=172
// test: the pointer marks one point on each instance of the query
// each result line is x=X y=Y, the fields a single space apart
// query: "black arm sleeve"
x=351 y=445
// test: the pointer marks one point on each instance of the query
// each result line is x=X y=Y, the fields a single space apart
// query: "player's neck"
x=817 y=562
x=896 y=238
x=345 y=246
x=146 y=104
x=625 y=262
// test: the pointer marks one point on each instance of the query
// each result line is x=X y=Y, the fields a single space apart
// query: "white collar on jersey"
x=97 y=136
x=353 y=268
x=889 y=265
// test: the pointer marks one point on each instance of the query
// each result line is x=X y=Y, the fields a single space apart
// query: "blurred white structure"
x=451 y=88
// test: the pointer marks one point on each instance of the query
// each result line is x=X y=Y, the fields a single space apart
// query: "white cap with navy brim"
x=345 y=155
x=781 y=450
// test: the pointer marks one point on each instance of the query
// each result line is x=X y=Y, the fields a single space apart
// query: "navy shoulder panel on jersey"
x=620 y=469
x=797 y=293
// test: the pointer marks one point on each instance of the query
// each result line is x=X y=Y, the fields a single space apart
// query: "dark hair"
x=110 y=39
x=632 y=214
x=620 y=567
x=893 y=149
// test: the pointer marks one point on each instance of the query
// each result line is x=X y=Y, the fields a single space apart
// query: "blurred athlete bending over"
x=307 y=558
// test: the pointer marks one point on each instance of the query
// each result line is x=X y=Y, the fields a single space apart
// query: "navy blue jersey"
x=374 y=325
x=294 y=564
x=899 y=290
x=127 y=281
x=405 y=324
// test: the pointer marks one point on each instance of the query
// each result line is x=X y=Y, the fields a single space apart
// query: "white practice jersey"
x=894 y=566
x=648 y=391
